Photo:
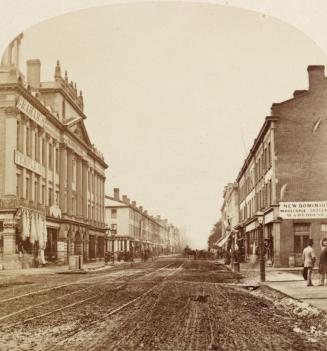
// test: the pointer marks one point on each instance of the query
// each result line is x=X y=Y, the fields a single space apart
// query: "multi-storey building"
x=230 y=207
x=285 y=175
x=229 y=213
x=51 y=175
x=133 y=229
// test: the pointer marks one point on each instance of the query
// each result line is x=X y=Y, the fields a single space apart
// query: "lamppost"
x=260 y=223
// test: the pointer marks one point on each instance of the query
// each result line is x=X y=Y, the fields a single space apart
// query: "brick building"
x=285 y=175
x=51 y=176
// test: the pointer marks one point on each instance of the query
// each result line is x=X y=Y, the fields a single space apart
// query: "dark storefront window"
x=91 y=246
x=51 y=247
x=100 y=247
x=301 y=236
x=78 y=247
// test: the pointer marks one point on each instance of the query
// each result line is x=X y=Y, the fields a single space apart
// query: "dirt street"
x=169 y=304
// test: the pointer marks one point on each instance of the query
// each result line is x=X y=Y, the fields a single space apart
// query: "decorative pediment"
x=78 y=129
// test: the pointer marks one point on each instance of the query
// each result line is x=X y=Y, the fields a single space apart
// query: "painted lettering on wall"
x=303 y=210
x=26 y=162
x=30 y=111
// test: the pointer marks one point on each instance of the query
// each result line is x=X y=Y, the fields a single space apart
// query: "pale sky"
x=175 y=93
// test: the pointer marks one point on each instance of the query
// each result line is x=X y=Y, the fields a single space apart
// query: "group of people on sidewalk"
x=309 y=260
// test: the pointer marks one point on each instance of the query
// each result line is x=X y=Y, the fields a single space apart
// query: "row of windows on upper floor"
x=253 y=176
x=136 y=233
x=261 y=199
x=48 y=154
x=136 y=217
x=39 y=195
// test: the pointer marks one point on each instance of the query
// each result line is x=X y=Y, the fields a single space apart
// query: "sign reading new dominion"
x=303 y=210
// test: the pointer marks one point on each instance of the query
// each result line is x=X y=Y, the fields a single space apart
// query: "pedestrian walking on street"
x=323 y=266
x=309 y=259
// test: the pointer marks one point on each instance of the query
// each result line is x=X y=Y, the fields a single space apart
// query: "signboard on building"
x=26 y=162
x=30 y=111
x=303 y=210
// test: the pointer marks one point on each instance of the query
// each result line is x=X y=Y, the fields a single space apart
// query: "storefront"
x=52 y=245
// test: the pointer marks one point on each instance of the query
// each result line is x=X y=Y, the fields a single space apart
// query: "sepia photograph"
x=163 y=175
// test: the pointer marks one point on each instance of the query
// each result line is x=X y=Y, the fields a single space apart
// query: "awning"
x=223 y=240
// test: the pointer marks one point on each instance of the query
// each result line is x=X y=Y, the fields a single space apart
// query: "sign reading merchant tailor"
x=30 y=111
x=303 y=210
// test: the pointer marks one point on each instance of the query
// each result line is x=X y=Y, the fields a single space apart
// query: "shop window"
x=301 y=236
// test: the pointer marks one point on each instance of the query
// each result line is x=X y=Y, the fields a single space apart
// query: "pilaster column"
x=10 y=146
x=84 y=188
x=9 y=237
x=103 y=199
x=79 y=186
x=69 y=180
x=273 y=163
x=54 y=146
x=62 y=177
x=277 y=245
x=33 y=156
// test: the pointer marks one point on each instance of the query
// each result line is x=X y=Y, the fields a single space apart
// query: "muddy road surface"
x=168 y=304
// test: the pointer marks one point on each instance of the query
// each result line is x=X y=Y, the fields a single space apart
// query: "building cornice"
x=265 y=127
x=35 y=102
x=67 y=97
x=125 y=205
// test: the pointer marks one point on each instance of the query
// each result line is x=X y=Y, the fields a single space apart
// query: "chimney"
x=125 y=199
x=146 y=212
x=116 y=194
x=141 y=208
x=34 y=73
x=134 y=203
x=316 y=77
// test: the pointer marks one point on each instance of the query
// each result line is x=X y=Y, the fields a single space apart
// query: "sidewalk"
x=290 y=282
x=55 y=269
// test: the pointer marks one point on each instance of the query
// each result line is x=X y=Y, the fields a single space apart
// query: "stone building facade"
x=229 y=217
x=52 y=178
x=230 y=207
x=133 y=229
x=285 y=176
